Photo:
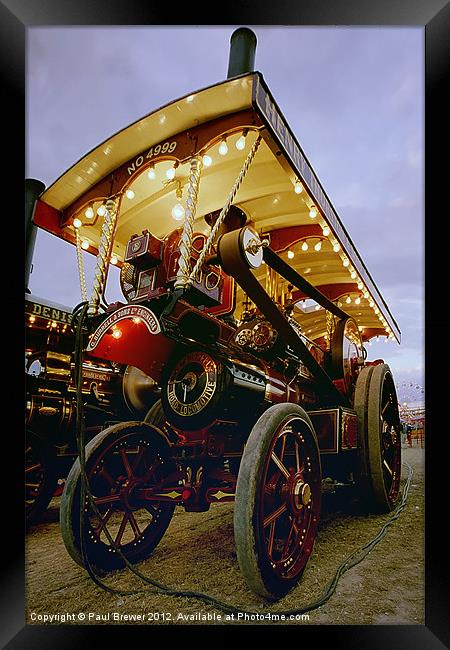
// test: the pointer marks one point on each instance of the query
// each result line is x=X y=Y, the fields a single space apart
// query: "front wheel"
x=120 y=461
x=278 y=495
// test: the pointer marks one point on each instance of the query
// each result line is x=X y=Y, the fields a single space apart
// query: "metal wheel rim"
x=289 y=536
x=130 y=523
x=390 y=444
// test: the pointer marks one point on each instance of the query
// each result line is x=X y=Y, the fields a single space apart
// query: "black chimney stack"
x=242 y=52
x=33 y=189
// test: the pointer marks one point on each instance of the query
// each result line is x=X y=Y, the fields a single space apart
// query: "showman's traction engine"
x=248 y=306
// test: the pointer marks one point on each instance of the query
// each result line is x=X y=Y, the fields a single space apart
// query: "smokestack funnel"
x=33 y=189
x=242 y=52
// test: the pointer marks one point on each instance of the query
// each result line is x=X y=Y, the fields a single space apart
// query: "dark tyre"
x=379 y=442
x=278 y=497
x=156 y=415
x=120 y=461
x=40 y=476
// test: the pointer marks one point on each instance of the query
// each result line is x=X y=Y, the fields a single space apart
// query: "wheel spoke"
x=151 y=470
x=271 y=538
x=122 y=527
x=387 y=466
x=274 y=515
x=297 y=455
x=280 y=465
x=283 y=448
x=106 y=475
x=126 y=464
x=138 y=459
x=288 y=539
x=104 y=521
x=134 y=525
x=110 y=498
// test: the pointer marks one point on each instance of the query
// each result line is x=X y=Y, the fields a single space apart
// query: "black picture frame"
x=434 y=17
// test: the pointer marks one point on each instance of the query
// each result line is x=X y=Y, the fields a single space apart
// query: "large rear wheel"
x=379 y=441
x=277 y=505
x=120 y=460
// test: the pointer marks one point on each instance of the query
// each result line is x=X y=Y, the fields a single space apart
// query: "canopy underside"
x=299 y=229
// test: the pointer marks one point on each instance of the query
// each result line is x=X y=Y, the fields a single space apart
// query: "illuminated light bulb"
x=77 y=223
x=298 y=187
x=304 y=246
x=85 y=244
x=137 y=320
x=89 y=213
x=345 y=262
x=348 y=300
x=114 y=259
x=207 y=160
x=290 y=254
x=318 y=246
x=313 y=212
x=117 y=334
x=336 y=247
x=357 y=301
x=178 y=212
x=151 y=174
x=371 y=303
x=101 y=211
x=366 y=294
x=129 y=194
x=326 y=231
x=353 y=275
x=32 y=319
x=170 y=173
x=223 y=148
x=240 y=143
x=360 y=285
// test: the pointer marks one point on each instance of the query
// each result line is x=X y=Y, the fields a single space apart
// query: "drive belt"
x=231 y=256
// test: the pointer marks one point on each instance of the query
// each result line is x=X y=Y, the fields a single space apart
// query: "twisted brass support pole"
x=104 y=253
x=81 y=274
x=330 y=328
x=184 y=261
x=226 y=207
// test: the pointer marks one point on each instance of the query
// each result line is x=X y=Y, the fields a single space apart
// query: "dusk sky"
x=354 y=98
